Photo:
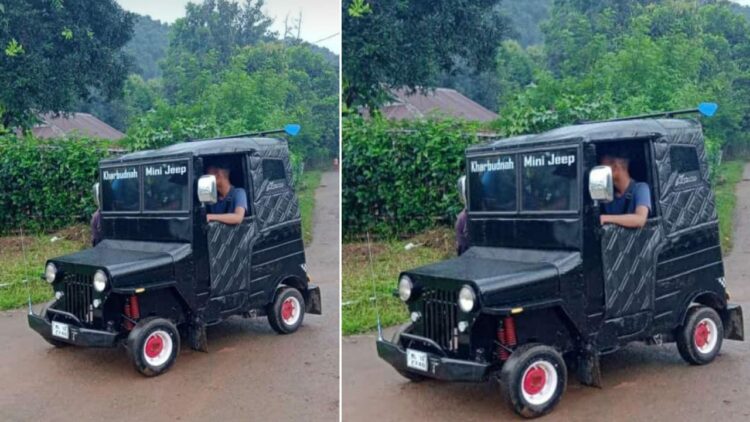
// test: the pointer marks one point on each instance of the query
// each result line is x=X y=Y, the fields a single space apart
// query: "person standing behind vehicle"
x=631 y=204
x=462 y=226
x=231 y=206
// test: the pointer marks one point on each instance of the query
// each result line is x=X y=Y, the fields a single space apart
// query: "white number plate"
x=416 y=360
x=60 y=330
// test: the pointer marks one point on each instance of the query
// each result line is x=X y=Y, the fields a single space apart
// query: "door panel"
x=230 y=250
x=629 y=258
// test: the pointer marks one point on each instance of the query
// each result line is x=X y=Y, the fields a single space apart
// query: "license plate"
x=60 y=330
x=416 y=360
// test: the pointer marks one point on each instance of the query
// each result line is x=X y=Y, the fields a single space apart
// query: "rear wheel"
x=153 y=346
x=699 y=339
x=287 y=311
x=533 y=379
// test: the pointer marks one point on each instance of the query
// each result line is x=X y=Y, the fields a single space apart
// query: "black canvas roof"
x=202 y=147
x=601 y=131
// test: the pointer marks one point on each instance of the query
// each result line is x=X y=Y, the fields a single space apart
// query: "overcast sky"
x=743 y=2
x=320 y=18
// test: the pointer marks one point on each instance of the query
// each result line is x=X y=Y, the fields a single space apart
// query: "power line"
x=328 y=37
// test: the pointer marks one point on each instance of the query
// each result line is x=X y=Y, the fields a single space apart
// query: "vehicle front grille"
x=78 y=293
x=440 y=317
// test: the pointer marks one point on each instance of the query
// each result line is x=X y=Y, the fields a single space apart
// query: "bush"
x=46 y=184
x=400 y=178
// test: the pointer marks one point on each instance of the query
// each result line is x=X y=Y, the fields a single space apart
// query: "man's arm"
x=632 y=221
x=231 y=218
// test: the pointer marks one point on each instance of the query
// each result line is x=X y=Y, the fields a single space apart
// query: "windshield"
x=165 y=187
x=120 y=189
x=548 y=182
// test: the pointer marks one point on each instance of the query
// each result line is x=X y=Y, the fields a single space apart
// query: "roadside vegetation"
x=730 y=173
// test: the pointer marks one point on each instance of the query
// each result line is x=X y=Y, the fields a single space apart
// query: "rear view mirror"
x=462 y=189
x=96 y=194
x=207 y=189
x=600 y=184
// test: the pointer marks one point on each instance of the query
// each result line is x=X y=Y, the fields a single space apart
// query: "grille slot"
x=78 y=295
x=440 y=310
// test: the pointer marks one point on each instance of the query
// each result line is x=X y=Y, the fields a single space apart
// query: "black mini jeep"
x=544 y=283
x=162 y=270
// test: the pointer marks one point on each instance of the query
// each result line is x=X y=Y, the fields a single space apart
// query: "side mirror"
x=207 y=189
x=600 y=184
x=97 y=194
x=462 y=189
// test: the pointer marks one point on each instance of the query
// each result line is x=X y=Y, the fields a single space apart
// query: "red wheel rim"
x=534 y=381
x=702 y=333
x=154 y=345
x=287 y=310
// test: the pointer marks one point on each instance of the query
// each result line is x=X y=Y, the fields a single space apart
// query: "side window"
x=274 y=173
x=684 y=161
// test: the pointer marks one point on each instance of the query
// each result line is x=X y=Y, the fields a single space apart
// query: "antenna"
x=706 y=109
x=290 y=129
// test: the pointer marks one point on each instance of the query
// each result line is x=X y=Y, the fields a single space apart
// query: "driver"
x=231 y=206
x=632 y=200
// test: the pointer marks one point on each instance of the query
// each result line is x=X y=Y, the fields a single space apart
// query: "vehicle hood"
x=502 y=275
x=122 y=258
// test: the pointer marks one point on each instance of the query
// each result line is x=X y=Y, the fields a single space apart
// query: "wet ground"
x=641 y=383
x=250 y=373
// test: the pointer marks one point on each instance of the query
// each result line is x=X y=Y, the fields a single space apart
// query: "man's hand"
x=632 y=221
x=232 y=219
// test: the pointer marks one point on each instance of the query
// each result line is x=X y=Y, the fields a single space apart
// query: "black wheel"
x=700 y=339
x=533 y=379
x=287 y=311
x=56 y=343
x=153 y=346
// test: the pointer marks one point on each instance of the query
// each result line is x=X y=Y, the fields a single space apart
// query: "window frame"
x=272 y=183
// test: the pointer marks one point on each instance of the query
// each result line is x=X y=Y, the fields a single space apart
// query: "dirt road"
x=250 y=373
x=641 y=383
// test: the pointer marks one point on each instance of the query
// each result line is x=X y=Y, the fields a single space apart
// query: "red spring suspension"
x=506 y=335
x=132 y=311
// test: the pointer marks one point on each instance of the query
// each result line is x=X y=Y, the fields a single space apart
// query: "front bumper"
x=313 y=303
x=78 y=335
x=733 y=325
x=439 y=367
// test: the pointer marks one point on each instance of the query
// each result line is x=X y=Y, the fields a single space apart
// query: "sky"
x=742 y=2
x=320 y=18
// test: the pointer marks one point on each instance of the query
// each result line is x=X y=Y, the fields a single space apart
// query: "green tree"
x=58 y=52
x=148 y=46
x=392 y=43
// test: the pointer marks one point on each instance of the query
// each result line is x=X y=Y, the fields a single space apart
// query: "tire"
x=153 y=346
x=58 y=344
x=700 y=338
x=287 y=311
x=534 y=379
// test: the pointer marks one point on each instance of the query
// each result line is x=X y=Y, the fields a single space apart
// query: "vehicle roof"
x=597 y=131
x=202 y=147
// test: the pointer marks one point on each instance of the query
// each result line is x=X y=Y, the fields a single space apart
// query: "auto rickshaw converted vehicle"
x=162 y=269
x=545 y=286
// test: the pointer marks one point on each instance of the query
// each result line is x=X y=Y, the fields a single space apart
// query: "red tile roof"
x=81 y=123
x=439 y=101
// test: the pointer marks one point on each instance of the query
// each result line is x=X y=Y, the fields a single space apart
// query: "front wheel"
x=533 y=379
x=153 y=346
x=287 y=311
x=699 y=339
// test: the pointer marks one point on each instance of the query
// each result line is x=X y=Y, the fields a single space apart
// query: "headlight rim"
x=46 y=272
x=408 y=279
x=105 y=282
x=470 y=289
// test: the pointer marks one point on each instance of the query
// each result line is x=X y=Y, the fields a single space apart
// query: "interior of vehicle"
x=237 y=177
x=639 y=154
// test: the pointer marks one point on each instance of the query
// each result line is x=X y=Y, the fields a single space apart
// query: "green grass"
x=16 y=267
x=306 y=194
x=729 y=174
x=389 y=258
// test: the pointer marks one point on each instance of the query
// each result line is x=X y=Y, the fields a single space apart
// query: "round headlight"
x=404 y=288
x=50 y=272
x=100 y=281
x=466 y=299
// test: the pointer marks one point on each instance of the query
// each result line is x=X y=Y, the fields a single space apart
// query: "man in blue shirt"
x=231 y=204
x=632 y=200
